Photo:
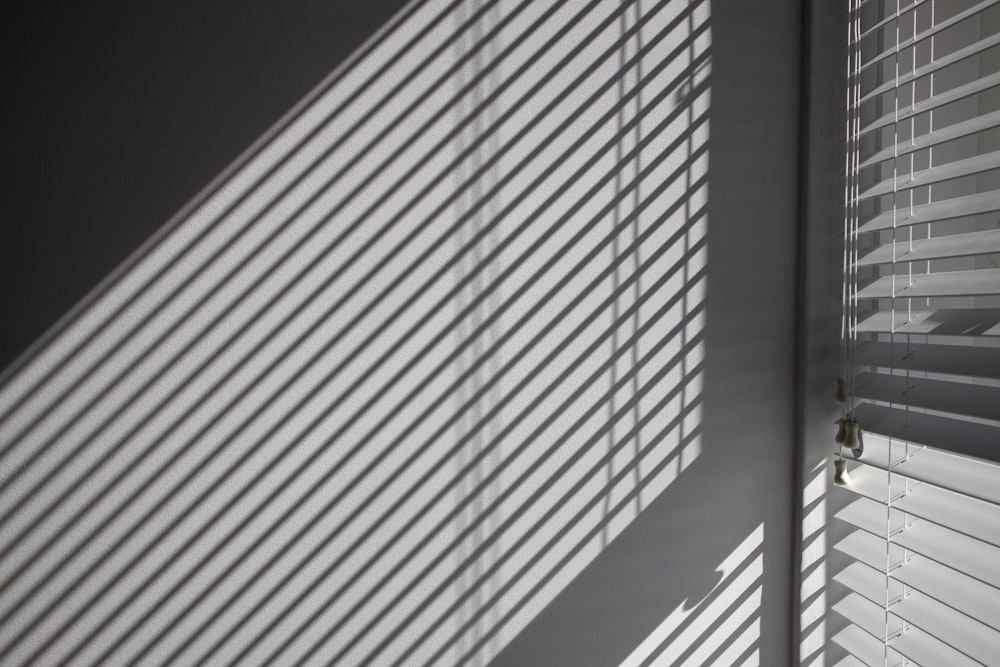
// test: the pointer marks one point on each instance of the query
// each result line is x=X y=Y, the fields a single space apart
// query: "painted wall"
x=121 y=114
x=701 y=573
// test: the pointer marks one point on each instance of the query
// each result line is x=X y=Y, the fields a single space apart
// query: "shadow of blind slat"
x=400 y=376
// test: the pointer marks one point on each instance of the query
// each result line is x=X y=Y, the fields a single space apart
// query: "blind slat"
x=952 y=283
x=934 y=138
x=962 y=553
x=948 y=209
x=904 y=11
x=864 y=649
x=939 y=100
x=970 y=361
x=935 y=174
x=966 y=633
x=918 y=645
x=949 y=626
x=952 y=588
x=869 y=582
x=955 y=398
x=955 y=513
x=867 y=615
x=869 y=516
x=963 y=437
x=928 y=33
x=935 y=65
x=942 y=469
x=956 y=245
x=953 y=322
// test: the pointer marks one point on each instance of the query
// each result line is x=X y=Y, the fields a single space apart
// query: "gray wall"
x=669 y=559
x=705 y=571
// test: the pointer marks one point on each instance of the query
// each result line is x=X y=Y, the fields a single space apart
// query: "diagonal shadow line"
x=124 y=338
x=258 y=147
x=444 y=458
x=688 y=652
x=613 y=371
x=270 y=136
x=596 y=530
x=197 y=502
x=443 y=396
x=371 y=240
x=175 y=393
x=811 y=599
x=507 y=523
x=330 y=279
x=810 y=569
x=385 y=325
x=441 y=524
x=302 y=306
x=186 y=480
x=541 y=552
x=320 y=190
x=275 y=201
x=744 y=657
x=635 y=226
x=207 y=623
x=123 y=538
x=702 y=607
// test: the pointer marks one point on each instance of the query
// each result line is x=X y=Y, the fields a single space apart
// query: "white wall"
x=415 y=384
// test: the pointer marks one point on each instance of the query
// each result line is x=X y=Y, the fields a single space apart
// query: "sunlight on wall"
x=813 y=569
x=401 y=377
x=723 y=628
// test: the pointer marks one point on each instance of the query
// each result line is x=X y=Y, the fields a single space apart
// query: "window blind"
x=920 y=538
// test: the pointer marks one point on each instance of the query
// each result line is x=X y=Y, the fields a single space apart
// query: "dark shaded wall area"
x=661 y=582
x=116 y=114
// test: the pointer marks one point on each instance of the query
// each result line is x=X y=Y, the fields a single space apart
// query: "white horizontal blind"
x=922 y=334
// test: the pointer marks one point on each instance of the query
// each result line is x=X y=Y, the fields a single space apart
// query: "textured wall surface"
x=485 y=353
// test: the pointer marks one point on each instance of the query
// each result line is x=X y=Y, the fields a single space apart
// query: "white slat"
x=867 y=615
x=955 y=245
x=934 y=174
x=864 y=649
x=904 y=12
x=870 y=516
x=935 y=65
x=906 y=111
x=869 y=582
x=957 y=322
x=945 y=547
x=965 y=632
x=918 y=645
x=962 y=437
x=958 y=360
x=923 y=575
x=947 y=209
x=935 y=137
x=956 y=513
x=952 y=588
x=953 y=398
x=928 y=33
x=942 y=469
x=952 y=283
x=962 y=633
